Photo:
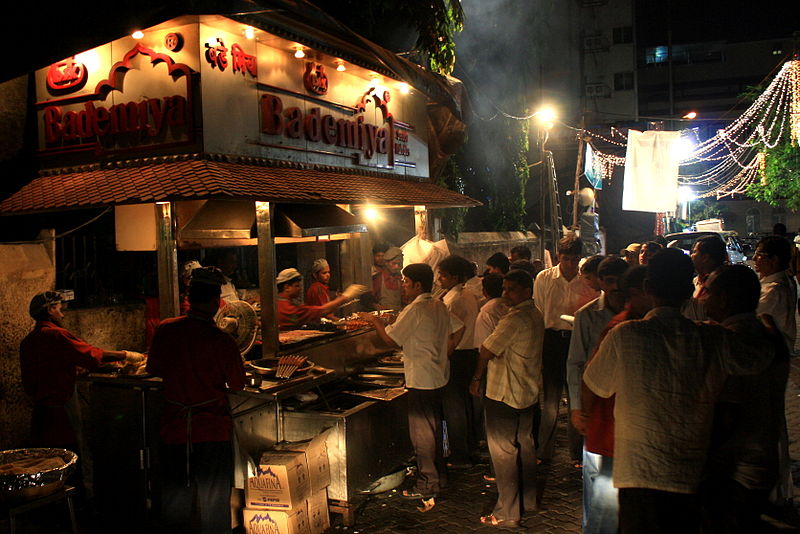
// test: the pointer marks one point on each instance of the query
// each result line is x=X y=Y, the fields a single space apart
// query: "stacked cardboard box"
x=288 y=495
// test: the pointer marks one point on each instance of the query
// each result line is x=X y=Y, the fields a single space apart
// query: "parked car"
x=737 y=252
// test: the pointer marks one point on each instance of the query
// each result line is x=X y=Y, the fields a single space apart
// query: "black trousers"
x=554 y=378
x=204 y=504
x=460 y=411
x=425 y=429
x=651 y=511
x=509 y=434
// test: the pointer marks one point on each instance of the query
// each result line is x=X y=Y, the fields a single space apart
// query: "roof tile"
x=186 y=179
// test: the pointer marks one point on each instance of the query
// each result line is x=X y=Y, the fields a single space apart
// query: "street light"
x=685 y=197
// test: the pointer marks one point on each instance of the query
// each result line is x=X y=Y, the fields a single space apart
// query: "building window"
x=623 y=81
x=623 y=34
x=686 y=53
x=778 y=216
x=753 y=221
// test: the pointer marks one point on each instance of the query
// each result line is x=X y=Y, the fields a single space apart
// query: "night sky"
x=715 y=20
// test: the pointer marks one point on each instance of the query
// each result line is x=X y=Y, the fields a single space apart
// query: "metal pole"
x=542 y=202
x=266 y=281
x=167 y=258
x=578 y=172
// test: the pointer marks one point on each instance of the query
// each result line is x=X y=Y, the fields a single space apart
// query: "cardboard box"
x=281 y=482
x=275 y=522
x=316 y=454
x=318 y=519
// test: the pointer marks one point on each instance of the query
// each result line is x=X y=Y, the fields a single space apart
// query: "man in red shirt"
x=199 y=364
x=292 y=315
x=50 y=359
x=319 y=292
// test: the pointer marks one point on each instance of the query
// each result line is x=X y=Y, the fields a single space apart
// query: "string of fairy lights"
x=727 y=163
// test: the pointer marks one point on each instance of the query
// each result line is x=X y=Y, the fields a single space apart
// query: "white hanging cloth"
x=651 y=172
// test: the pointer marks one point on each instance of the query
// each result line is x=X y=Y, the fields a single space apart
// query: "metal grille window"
x=623 y=81
x=623 y=35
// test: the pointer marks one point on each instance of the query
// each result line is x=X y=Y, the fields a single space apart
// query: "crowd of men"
x=675 y=366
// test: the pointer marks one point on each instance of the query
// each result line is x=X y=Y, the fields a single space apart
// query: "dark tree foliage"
x=428 y=26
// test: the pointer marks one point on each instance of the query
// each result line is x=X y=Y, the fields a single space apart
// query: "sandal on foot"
x=492 y=521
x=414 y=494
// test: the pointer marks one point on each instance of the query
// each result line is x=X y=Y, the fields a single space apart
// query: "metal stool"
x=64 y=493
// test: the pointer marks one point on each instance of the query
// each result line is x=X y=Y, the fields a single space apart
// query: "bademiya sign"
x=198 y=84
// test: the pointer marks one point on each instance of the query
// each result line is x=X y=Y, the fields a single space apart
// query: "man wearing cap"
x=291 y=314
x=50 y=358
x=318 y=293
x=199 y=364
x=631 y=253
x=389 y=290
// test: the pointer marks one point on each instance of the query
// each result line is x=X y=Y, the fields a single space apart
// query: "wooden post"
x=266 y=281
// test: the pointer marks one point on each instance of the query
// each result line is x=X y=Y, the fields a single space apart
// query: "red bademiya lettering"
x=369 y=139
x=148 y=118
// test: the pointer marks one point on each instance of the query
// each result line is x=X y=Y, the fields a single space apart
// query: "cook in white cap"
x=292 y=314
x=388 y=290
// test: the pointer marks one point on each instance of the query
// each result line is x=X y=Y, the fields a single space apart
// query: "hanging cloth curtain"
x=651 y=172
x=591 y=169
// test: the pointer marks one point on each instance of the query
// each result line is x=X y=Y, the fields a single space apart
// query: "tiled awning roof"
x=209 y=176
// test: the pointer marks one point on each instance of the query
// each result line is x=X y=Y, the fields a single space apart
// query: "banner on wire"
x=651 y=172
x=590 y=168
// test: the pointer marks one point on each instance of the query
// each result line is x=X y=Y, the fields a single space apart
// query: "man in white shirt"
x=512 y=358
x=424 y=330
x=666 y=372
x=778 y=288
x=559 y=291
x=494 y=309
x=460 y=413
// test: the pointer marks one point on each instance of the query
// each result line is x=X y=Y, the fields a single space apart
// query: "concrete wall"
x=478 y=246
x=117 y=327
x=25 y=270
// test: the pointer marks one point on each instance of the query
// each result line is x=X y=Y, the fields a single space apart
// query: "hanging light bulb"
x=404 y=88
x=299 y=54
x=340 y=66
x=138 y=34
x=249 y=32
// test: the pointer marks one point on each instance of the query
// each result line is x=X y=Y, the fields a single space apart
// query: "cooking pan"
x=370 y=379
x=268 y=366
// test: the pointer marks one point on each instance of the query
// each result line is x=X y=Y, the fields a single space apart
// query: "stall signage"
x=319 y=127
x=217 y=57
x=148 y=117
x=66 y=75
x=315 y=80
x=81 y=122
